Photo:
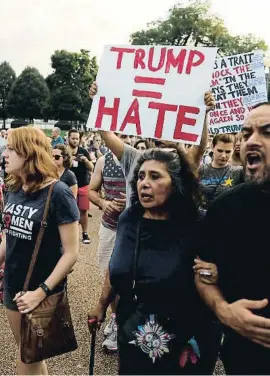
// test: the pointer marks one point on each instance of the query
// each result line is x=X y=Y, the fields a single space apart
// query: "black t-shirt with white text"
x=79 y=168
x=22 y=217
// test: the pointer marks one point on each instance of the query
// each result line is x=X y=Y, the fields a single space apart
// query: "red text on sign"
x=242 y=69
x=148 y=93
x=164 y=58
x=133 y=117
x=111 y=111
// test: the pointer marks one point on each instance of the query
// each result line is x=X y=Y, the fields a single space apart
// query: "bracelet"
x=45 y=288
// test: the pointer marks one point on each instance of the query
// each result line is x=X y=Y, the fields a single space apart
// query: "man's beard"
x=72 y=146
x=259 y=179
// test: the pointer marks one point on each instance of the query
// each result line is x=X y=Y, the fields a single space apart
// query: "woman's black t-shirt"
x=68 y=177
x=22 y=217
x=164 y=283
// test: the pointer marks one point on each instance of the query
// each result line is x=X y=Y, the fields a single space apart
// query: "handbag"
x=46 y=331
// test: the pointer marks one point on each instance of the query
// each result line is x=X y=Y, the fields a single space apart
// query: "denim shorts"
x=8 y=300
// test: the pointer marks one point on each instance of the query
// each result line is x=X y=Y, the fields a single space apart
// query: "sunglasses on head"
x=57 y=157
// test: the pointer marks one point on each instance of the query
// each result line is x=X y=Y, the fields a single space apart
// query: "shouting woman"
x=151 y=270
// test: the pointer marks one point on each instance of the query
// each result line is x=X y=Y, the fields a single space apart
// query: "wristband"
x=45 y=288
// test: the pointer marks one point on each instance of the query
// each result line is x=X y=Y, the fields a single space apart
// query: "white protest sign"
x=238 y=83
x=153 y=91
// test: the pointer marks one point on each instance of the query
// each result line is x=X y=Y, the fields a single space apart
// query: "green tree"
x=195 y=25
x=67 y=102
x=7 y=78
x=29 y=95
x=69 y=84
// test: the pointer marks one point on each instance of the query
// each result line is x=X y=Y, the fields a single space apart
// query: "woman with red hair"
x=31 y=173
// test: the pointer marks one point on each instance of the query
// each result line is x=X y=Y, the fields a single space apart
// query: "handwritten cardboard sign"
x=153 y=91
x=238 y=83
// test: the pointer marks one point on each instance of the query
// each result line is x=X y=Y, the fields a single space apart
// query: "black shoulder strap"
x=219 y=183
x=39 y=238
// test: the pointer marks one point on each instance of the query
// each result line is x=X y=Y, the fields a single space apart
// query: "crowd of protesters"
x=182 y=240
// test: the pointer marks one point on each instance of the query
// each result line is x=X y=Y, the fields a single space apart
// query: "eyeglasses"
x=57 y=157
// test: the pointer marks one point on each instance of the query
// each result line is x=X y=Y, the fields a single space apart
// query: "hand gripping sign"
x=153 y=91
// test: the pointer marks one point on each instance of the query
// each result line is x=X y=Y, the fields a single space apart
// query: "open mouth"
x=253 y=161
x=146 y=196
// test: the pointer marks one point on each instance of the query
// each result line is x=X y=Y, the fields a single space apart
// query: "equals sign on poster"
x=147 y=93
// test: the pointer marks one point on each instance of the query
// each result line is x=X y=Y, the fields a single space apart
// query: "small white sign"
x=238 y=83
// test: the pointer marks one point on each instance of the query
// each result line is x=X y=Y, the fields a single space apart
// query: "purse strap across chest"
x=42 y=229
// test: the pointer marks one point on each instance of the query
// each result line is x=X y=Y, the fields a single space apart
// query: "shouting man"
x=239 y=225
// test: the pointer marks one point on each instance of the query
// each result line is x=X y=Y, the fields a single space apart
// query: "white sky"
x=31 y=30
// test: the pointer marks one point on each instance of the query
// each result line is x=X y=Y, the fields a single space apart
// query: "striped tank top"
x=114 y=182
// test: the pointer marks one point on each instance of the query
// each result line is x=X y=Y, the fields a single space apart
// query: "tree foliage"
x=29 y=95
x=7 y=78
x=69 y=84
x=195 y=25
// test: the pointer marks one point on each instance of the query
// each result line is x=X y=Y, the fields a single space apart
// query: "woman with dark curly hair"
x=142 y=145
x=62 y=160
x=151 y=269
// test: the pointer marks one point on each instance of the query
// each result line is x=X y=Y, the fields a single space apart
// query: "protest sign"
x=153 y=91
x=238 y=83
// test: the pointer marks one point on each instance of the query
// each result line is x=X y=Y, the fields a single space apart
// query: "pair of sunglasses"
x=57 y=157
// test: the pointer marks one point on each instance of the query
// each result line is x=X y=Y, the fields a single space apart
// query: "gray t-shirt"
x=128 y=163
x=218 y=180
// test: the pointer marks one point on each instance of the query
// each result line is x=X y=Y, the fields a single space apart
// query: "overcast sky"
x=31 y=30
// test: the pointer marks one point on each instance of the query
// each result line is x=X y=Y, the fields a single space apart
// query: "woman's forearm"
x=74 y=189
x=3 y=250
x=61 y=270
x=108 y=294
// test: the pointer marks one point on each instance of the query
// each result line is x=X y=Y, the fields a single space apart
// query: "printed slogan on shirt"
x=18 y=220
